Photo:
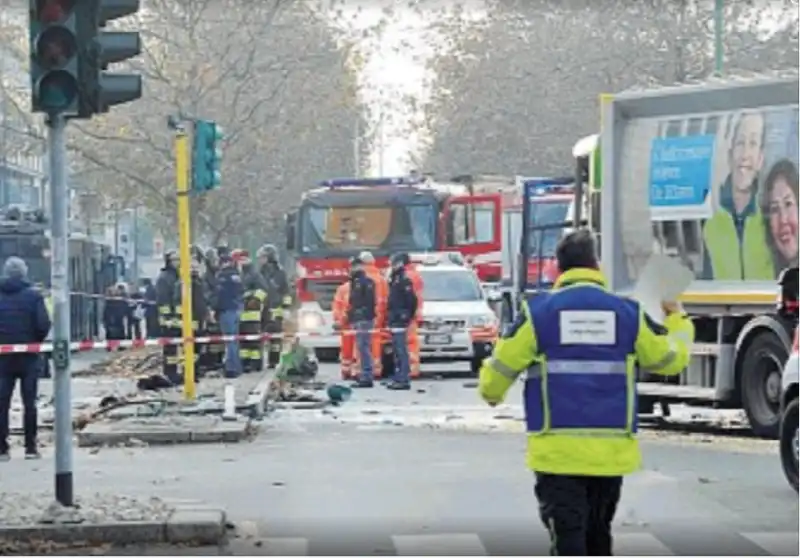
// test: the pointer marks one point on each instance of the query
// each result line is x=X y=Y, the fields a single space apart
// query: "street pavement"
x=433 y=471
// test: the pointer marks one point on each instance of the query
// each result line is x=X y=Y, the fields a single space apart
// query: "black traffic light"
x=54 y=56
x=105 y=89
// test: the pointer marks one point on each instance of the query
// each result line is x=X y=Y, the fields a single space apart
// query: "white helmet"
x=366 y=257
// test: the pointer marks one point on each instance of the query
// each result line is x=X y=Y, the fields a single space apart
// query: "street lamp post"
x=719 y=24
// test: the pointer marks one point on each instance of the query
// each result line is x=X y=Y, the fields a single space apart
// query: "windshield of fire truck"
x=543 y=242
x=342 y=230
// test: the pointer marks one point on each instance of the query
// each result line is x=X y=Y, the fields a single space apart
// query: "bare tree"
x=526 y=88
x=269 y=72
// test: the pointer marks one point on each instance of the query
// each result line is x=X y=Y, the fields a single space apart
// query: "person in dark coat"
x=199 y=308
x=23 y=319
x=401 y=309
x=213 y=356
x=115 y=314
x=229 y=304
x=361 y=314
x=150 y=309
x=278 y=298
x=169 y=324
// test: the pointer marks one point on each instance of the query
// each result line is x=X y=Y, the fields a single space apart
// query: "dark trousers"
x=171 y=357
x=134 y=329
x=28 y=378
x=577 y=512
x=274 y=344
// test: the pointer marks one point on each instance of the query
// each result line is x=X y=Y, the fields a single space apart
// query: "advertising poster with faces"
x=723 y=192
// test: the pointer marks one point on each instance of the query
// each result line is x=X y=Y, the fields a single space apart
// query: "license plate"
x=438 y=339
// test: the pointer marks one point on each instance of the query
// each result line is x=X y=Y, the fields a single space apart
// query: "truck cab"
x=346 y=216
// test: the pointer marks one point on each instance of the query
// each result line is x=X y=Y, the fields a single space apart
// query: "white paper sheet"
x=662 y=279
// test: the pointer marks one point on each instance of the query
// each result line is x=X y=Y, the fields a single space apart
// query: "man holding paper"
x=581 y=346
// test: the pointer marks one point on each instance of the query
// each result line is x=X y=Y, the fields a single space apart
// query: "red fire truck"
x=344 y=217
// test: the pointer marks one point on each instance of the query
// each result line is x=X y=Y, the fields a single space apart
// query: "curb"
x=260 y=394
x=190 y=525
x=101 y=434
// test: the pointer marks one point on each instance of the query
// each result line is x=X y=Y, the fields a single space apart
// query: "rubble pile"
x=127 y=364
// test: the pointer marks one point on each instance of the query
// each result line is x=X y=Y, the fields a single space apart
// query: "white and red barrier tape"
x=90 y=345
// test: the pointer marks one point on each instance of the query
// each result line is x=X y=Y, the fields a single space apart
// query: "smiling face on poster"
x=723 y=192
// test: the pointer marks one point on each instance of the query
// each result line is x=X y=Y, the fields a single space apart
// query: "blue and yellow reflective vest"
x=581 y=347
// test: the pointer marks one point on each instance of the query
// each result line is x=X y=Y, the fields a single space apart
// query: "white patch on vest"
x=588 y=327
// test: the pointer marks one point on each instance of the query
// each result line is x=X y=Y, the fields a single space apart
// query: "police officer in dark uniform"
x=168 y=323
x=279 y=298
x=255 y=300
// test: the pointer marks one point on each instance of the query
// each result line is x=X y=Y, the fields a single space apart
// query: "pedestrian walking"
x=361 y=317
x=23 y=319
x=229 y=301
x=581 y=346
x=401 y=315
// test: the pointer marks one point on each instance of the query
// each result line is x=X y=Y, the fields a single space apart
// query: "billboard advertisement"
x=723 y=191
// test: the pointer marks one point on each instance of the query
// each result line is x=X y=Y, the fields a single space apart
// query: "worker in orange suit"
x=341 y=304
x=381 y=296
x=413 y=330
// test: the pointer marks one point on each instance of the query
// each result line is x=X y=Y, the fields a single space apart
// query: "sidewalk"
x=174 y=420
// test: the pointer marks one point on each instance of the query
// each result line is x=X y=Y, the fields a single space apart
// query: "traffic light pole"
x=184 y=233
x=59 y=195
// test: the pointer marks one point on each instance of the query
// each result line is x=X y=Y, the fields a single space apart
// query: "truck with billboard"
x=707 y=174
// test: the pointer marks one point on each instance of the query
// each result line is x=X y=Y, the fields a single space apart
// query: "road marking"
x=283 y=546
x=640 y=544
x=776 y=544
x=439 y=545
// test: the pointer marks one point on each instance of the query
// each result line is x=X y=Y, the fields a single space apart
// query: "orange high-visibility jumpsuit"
x=341 y=304
x=413 y=328
x=381 y=298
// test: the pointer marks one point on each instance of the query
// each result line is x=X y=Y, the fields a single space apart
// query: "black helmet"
x=355 y=260
x=268 y=251
x=401 y=258
x=169 y=257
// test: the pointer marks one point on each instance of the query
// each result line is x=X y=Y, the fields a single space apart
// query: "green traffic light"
x=57 y=90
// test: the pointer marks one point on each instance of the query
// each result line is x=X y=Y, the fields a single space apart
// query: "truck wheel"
x=760 y=384
x=646 y=405
x=789 y=443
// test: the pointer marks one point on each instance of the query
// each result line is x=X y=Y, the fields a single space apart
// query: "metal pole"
x=719 y=31
x=116 y=229
x=184 y=229
x=60 y=293
x=136 y=243
x=357 y=147
x=381 y=140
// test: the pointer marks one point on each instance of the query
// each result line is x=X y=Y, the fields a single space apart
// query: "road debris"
x=18 y=508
